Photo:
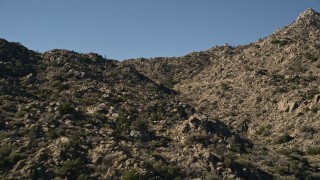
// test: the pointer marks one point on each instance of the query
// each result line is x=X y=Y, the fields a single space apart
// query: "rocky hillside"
x=271 y=87
x=245 y=112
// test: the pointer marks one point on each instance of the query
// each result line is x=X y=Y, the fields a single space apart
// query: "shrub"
x=314 y=109
x=284 y=138
x=130 y=175
x=8 y=157
x=82 y=177
x=70 y=169
x=66 y=108
x=20 y=113
x=122 y=123
x=224 y=86
x=236 y=147
x=313 y=150
x=311 y=57
x=308 y=129
x=280 y=42
x=311 y=93
x=167 y=171
x=194 y=139
x=264 y=130
x=11 y=159
x=55 y=133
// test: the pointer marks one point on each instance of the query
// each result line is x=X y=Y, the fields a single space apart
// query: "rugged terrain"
x=247 y=112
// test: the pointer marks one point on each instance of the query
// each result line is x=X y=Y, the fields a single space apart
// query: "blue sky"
x=124 y=29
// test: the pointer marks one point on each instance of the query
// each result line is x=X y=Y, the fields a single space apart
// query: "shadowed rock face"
x=247 y=112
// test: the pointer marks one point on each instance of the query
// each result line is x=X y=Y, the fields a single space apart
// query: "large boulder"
x=287 y=106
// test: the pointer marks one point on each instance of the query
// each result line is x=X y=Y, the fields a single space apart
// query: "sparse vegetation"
x=313 y=150
x=280 y=42
x=66 y=108
x=130 y=175
x=284 y=139
x=230 y=112
x=70 y=169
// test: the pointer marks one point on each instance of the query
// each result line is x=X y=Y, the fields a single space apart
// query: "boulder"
x=197 y=119
x=316 y=98
x=101 y=108
x=283 y=106
x=135 y=134
x=286 y=106
x=293 y=106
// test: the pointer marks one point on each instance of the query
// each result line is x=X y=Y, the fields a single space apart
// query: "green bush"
x=167 y=171
x=70 y=169
x=122 y=123
x=20 y=113
x=66 y=108
x=284 y=138
x=130 y=175
x=235 y=147
x=8 y=157
x=314 y=109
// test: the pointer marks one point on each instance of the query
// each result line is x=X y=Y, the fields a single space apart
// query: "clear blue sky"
x=124 y=29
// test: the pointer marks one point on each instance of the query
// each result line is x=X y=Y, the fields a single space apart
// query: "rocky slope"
x=70 y=115
x=246 y=112
x=270 y=86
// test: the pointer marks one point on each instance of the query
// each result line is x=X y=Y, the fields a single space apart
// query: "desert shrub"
x=291 y=151
x=212 y=177
x=314 y=176
x=167 y=171
x=235 y=147
x=77 y=94
x=139 y=124
x=297 y=68
x=280 y=90
x=258 y=99
x=130 y=175
x=311 y=57
x=311 y=93
x=122 y=123
x=264 y=130
x=313 y=150
x=6 y=150
x=308 y=129
x=194 y=139
x=32 y=132
x=83 y=177
x=224 y=86
x=169 y=83
x=8 y=157
x=314 y=109
x=65 y=108
x=55 y=133
x=284 y=138
x=11 y=159
x=20 y=113
x=280 y=42
x=70 y=169
x=59 y=85
x=247 y=68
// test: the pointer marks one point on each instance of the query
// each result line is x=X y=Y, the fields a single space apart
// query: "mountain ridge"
x=246 y=112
